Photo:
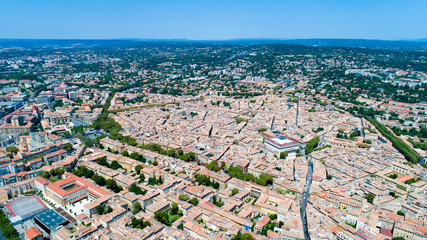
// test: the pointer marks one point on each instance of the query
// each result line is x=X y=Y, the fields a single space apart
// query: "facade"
x=17 y=126
x=46 y=99
x=276 y=145
x=50 y=220
x=69 y=190
x=403 y=230
x=400 y=168
x=88 y=118
x=19 y=98
x=57 y=118
x=112 y=144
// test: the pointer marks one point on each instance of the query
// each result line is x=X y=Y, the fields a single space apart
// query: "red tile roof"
x=32 y=233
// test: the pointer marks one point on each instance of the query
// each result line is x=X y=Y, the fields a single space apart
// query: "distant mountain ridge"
x=407 y=45
x=414 y=45
x=418 y=40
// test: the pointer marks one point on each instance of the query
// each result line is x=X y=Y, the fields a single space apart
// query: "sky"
x=213 y=19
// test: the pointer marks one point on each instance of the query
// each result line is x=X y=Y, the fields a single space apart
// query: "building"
x=50 y=220
x=33 y=233
x=404 y=230
x=341 y=143
x=18 y=125
x=401 y=168
x=87 y=118
x=46 y=99
x=160 y=206
x=276 y=145
x=219 y=177
x=57 y=118
x=69 y=190
x=112 y=144
x=19 y=97
x=90 y=208
x=24 y=209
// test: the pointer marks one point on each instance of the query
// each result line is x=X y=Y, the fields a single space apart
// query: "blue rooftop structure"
x=50 y=220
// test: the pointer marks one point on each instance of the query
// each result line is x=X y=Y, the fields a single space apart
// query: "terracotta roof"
x=32 y=233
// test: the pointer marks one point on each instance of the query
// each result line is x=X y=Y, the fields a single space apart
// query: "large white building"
x=276 y=145
x=69 y=190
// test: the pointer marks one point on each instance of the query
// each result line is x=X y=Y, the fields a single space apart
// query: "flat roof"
x=282 y=141
x=51 y=219
x=25 y=206
x=63 y=213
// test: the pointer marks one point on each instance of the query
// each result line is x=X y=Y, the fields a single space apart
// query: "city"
x=203 y=139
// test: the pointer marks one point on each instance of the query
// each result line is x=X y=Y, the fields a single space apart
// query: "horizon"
x=214 y=20
x=423 y=39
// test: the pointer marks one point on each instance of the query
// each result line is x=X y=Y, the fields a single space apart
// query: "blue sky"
x=213 y=19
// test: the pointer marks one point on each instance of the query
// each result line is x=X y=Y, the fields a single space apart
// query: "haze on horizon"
x=213 y=19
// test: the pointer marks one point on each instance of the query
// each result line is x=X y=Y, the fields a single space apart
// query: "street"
x=304 y=199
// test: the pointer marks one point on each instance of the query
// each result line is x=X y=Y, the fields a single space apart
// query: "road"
x=304 y=198
x=306 y=193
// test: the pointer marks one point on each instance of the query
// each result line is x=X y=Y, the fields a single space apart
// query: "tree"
x=146 y=224
x=9 y=231
x=138 y=168
x=111 y=184
x=244 y=236
x=137 y=190
x=393 y=176
x=12 y=149
x=136 y=208
x=264 y=179
x=263 y=129
x=183 y=197
x=370 y=197
x=215 y=185
x=88 y=143
x=283 y=155
x=194 y=201
x=100 y=209
x=163 y=218
x=132 y=142
x=398 y=238
x=181 y=226
x=234 y=191
x=141 y=177
x=134 y=155
x=174 y=208
x=152 y=181
x=160 y=180
x=89 y=173
x=261 y=182
x=125 y=153
x=312 y=144
x=68 y=147
x=59 y=171
x=115 y=165
x=400 y=213
x=103 y=161
x=46 y=175
x=100 y=181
